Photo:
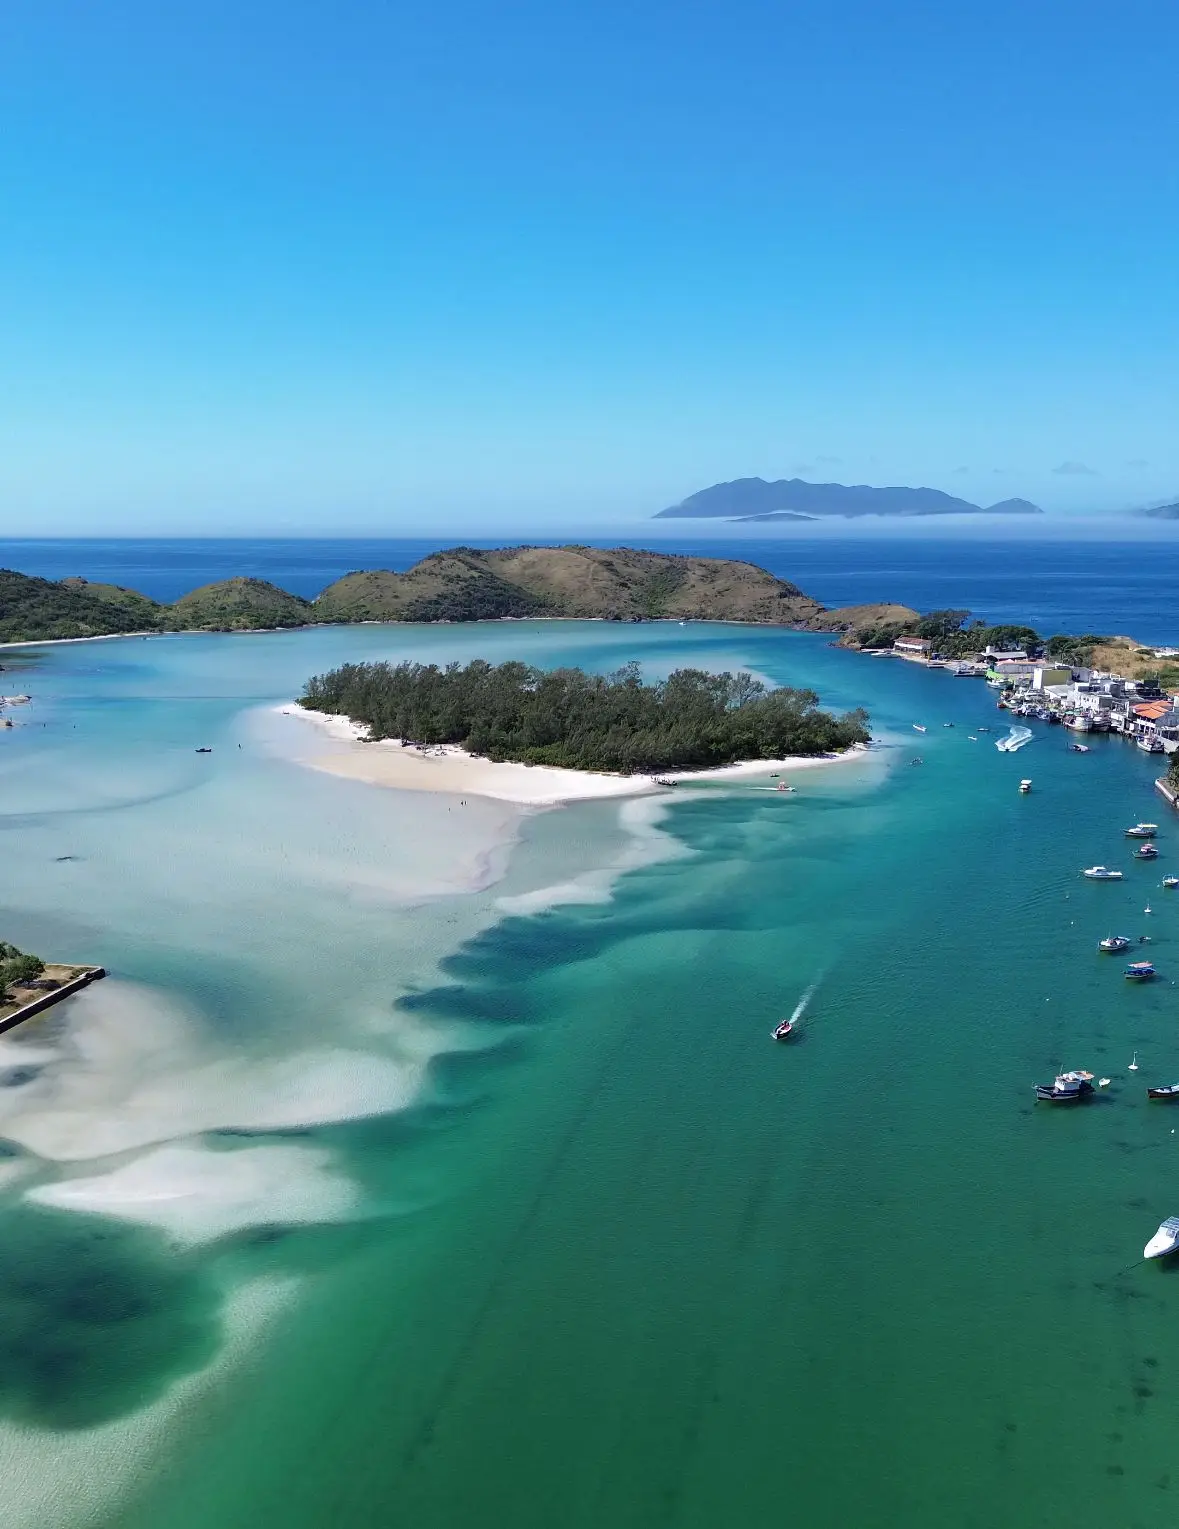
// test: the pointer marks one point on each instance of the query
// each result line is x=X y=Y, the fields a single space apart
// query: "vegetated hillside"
x=447 y=586
x=150 y=613
x=744 y=498
x=236 y=605
x=33 y=610
x=580 y=721
x=625 y=583
x=617 y=584
x=856 y=621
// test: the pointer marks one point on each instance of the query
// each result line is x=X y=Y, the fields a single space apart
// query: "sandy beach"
x=339 y=749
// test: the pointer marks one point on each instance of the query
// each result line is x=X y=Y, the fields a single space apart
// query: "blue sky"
x=372 y=267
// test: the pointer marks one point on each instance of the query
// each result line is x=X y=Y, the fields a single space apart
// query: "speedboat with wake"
x=1114 y=942
x=1066 y=1088
x=1102 y=873
x=1014 y=740
x=1165 y=1240
x=784 y=1030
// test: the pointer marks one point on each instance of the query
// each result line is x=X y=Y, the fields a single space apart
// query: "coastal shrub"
x=575 y=720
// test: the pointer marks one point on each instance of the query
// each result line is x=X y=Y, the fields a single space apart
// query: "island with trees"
x=28 y=984
x=574 y=720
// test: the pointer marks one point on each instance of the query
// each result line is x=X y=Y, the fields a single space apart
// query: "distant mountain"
x=1161 y=512
x=1013 y=507
x=773 y=515
x=750 y=498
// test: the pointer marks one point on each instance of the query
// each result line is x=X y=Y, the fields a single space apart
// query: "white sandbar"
x=448 y=768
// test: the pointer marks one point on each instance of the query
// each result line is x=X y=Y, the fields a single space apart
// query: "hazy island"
x=568 y=719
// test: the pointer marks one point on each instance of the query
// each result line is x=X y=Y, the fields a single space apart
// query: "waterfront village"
x=1033 y=684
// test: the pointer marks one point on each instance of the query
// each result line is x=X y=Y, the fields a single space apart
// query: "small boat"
x=1150 y=745
x=1165 y=1240
x=1171 y=882
x=784 y=1030
x=947 y=724
x=204 y=751
x=1102 y=873
x=1140 y=971
x=1079 y=748
x=1025 y=786
x=1168 y=1091
x=1147 y=852
x=1142 y=831
x=916 y=759
x=782 y=786
x=1079 y=722
x=1114 y=942
x=1066 y=1088
x=917 y=728
x=984 y=729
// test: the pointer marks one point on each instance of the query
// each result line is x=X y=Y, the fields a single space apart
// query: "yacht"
x=1165 y=1240
x=1102 y=873
x=1142 y=831
x=1066 y=1088
x=1171 y=882
x=1114 y=942
x=1025 y=786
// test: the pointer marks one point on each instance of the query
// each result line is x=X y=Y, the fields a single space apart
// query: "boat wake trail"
x=1015 y=739
x=803 y=1003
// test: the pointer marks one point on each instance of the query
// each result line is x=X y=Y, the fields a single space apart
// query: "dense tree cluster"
x=583 y=721
x=17 y=968
x=954 y=635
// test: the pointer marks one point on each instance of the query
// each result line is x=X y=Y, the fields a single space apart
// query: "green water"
x=629 y=1263
x=677 y=1275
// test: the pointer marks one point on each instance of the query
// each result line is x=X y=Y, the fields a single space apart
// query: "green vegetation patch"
x=239 y=605
x=565 y=717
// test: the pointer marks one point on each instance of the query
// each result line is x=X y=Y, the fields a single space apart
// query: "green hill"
x=462 y=584
x=238 y=605
x=34 y=610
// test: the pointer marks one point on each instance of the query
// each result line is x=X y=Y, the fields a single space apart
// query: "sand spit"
x=448 y=768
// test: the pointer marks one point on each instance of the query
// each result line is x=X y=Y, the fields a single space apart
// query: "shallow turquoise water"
x=625 y=1261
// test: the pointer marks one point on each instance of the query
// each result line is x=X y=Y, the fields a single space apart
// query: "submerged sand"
x=341 y=748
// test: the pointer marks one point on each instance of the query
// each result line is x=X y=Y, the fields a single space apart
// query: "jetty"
x=21 y=1000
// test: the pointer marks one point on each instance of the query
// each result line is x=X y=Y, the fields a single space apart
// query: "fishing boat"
x=1079 y=722
x=1168 y=1091
x=1140 y=971
x=1142 y=831
x=1147 y=852
x=1079 y=748
x=1150 y=745
x=1165 y=1240
x=1025 y=786
x=1102 y=873
x=1114 y=943
x=1171 y=882
x=1066 y=1088
x=784 y=1030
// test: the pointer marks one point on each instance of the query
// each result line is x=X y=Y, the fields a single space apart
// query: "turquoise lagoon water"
x=499 y=1216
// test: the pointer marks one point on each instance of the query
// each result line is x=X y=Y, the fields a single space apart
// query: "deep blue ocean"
x=1055 y=586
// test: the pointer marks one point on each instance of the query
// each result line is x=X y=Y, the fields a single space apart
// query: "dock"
x=69 y=979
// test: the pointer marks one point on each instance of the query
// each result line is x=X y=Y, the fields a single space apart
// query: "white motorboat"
x=1164 y=1241
x=1142 y=831
x=1171 y=882
x=1014 y=740
x=1114 y=942
x=1101 y=873
x=917 y=728
x=1025 y=786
